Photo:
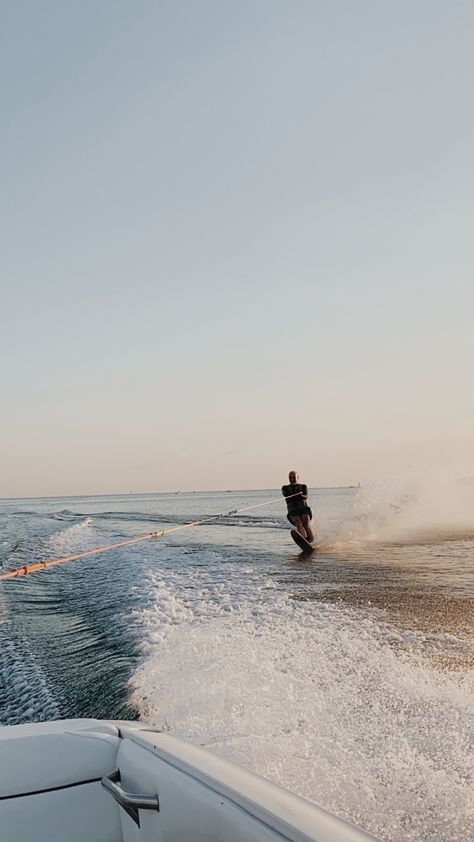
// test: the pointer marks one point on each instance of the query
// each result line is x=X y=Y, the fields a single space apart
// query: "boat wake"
x=323 y=700
x=24 y=692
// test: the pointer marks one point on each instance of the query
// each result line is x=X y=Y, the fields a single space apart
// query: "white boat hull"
x=76 y=780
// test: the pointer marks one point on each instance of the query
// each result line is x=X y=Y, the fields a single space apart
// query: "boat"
x=89 y=780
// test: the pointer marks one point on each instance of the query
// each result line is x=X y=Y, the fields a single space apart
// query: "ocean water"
x=347 y=677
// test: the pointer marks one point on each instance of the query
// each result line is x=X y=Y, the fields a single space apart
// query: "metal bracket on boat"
x=131 y=802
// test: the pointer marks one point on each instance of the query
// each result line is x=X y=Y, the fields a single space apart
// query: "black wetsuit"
x=296 y=505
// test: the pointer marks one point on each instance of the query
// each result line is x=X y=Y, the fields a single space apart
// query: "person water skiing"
x=299 y=513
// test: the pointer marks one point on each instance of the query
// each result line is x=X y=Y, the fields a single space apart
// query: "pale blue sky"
x=237 y=237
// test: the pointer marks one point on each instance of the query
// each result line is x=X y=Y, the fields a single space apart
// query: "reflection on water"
x=425 y=587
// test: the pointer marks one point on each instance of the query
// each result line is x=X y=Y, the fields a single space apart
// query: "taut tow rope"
x=26 y=569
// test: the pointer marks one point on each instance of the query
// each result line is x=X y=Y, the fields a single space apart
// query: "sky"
x=237 y=238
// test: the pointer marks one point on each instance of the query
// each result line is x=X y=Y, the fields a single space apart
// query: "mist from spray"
x=422 y=509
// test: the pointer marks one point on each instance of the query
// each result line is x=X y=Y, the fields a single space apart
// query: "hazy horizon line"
x=158 y=493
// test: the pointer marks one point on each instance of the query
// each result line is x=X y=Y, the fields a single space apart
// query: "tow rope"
x=27 y=569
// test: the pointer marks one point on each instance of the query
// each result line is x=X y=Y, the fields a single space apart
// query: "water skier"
x=299 y=513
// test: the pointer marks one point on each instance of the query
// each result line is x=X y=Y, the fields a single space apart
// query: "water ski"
x=303 y=544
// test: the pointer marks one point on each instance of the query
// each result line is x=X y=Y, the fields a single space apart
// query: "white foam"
x=325 y=701
x=71 y=537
